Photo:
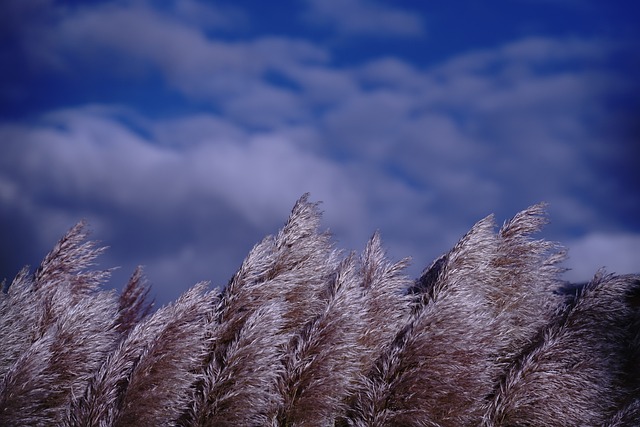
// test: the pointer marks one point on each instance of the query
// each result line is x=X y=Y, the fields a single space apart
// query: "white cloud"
x=268 y=173
x=130 y=39
x=364 y=17
x=323 y=86
x=84 y=163
x=529 y=51
x=393 y=73
x=368 y=123
x=145 y=35
x=86 y=156
x=616 y=253
x=265 y=105
x=420 y=153
x=210 y=16
x=543 y=50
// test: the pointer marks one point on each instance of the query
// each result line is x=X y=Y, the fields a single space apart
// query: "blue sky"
x=184 y=131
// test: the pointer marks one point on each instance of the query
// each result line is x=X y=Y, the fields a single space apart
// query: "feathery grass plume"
x=629 y=412
x=66 y=355
x=26 y=385
x=302 y=337
x=70 y=262
x=463 y=273
x=387 y=305
x=166 y=367
x=29 y=306
x=134 y=303
x=19 y=318
x=424 y=288
x=386 y=310
x=438 y=368
x=70 y=334
x=446 y=360
x=294 y=266
x=628 y=416
x=145 y=380
x=524 y=297
x=322 y=360
x=633 y=300
x=289 y=271
x=239 y=383
x=577 y=372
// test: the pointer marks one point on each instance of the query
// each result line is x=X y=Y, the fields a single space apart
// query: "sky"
x=184 y=131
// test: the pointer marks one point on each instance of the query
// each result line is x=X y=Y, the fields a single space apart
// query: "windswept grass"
x=304 y=335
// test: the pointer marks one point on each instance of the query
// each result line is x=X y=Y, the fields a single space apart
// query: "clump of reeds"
x=304 y=335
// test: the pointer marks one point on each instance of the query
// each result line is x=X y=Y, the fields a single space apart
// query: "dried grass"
x=305 y=336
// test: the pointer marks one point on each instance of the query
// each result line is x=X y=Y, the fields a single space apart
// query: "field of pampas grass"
x=305 y=335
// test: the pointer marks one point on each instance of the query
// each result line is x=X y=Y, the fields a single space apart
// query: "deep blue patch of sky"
x=450 y=29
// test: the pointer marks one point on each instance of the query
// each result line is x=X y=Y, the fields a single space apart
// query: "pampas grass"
x=582 y=367
x=303 y=335
x=59 y=330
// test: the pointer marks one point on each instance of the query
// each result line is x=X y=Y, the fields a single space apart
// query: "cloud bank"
x=184 y=139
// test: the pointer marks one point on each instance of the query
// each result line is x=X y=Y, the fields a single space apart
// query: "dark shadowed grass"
x=133 y=303
x=587 y=355
x=305 y=336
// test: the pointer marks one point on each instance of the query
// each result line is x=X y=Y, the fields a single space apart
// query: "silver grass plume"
x=157 y=356
x=19 y=317
x=324 y=357
x=302 y=335
x=69 y=263
x=386 y=303
x=445 y=360
x=134 y=304
x=581 y=369
x=30 y=303
x=438 y=364
x=523 y=298
x=293 y=266
x=281 y=280
x=628 y=415
x=240 y=382
x=70 y=332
